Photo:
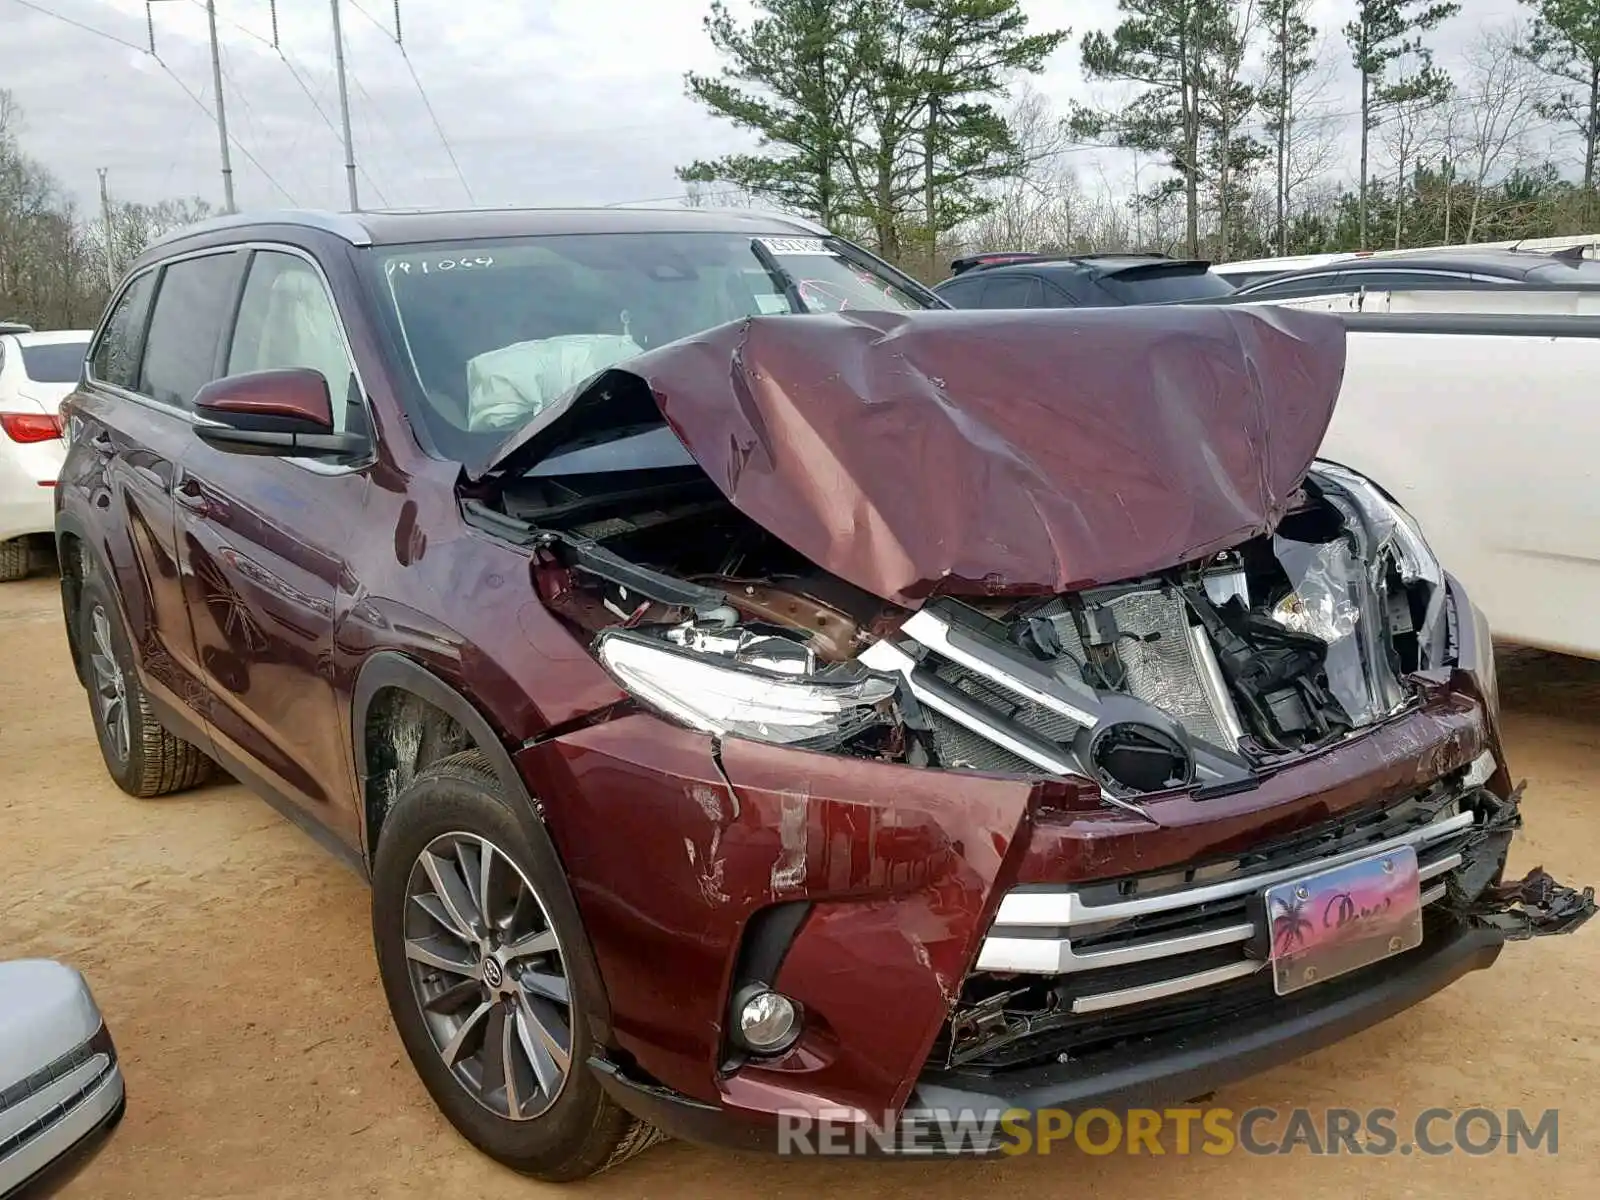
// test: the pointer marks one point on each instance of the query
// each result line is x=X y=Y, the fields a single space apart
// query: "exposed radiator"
x=1163 y=670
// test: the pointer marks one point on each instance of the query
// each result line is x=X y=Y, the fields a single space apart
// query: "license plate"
x=1339 y=920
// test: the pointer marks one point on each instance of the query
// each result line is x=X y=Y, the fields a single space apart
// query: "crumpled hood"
x=973 y=452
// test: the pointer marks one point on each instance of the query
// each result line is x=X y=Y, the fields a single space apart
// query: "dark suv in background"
x=745 y=710
x=1017 y=280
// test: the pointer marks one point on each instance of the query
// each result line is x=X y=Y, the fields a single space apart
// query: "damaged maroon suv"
x=756 y=696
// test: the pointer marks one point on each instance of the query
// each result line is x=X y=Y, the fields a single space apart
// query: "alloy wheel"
x=110 y=687
x=488 y=975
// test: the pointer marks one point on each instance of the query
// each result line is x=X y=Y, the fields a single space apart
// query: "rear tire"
x=491 y=998
x=140 y=755
x=14 y=559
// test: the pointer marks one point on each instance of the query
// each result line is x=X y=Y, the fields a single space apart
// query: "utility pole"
x=344 y=110
x=222 y=112
x=105 y=215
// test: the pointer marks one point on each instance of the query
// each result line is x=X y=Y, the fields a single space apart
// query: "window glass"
x=1055 y=296
x=1401 y=279
x=192 y=305
x=1159 y=284
x=1013 y=291
x=286 y=319
x=1320 y=284
x=965 y=293
x=116 y=355
x=497 y=331
x=53 y=362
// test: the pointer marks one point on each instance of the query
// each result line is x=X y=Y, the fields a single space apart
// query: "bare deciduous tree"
x=1492 y=118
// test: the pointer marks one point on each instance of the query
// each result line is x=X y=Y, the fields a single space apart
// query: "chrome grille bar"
x=939 y=635
x=1066 y=908
x=1160 y=989
x=1056 y=956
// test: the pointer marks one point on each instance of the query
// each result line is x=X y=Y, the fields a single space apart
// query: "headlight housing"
x=1391 y=526
x=765 y=702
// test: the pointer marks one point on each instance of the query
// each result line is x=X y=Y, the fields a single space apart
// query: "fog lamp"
x=768 y=1021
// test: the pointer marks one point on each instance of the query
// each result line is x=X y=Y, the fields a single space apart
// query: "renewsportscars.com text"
x=1431 y=1132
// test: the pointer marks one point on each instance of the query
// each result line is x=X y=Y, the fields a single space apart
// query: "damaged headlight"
x=1390 y=525
x=765 y=701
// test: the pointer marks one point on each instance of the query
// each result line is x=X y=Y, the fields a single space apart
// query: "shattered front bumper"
x=868 y=893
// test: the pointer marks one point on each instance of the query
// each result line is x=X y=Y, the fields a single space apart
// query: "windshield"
x=54 y=362
x=495 y=331
x=1159 y=285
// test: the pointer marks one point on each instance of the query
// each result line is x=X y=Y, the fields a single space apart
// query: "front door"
x=264 y=545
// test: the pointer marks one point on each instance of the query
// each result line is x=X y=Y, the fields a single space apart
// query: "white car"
x=37 y=371
x=61 y=1086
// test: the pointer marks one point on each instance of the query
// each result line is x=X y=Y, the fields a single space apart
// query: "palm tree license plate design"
x=1329 y=924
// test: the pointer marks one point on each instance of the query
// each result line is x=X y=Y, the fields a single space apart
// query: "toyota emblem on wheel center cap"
x=491 y=972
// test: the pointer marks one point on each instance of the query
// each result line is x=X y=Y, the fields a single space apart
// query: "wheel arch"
x=391 y=688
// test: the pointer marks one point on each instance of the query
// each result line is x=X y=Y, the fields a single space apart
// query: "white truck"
x=1479 y=412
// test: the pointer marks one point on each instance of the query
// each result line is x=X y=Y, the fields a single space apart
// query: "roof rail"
x=343 y=225
x=15 y=327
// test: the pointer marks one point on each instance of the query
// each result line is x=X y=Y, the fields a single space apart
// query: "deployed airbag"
x=513 y=384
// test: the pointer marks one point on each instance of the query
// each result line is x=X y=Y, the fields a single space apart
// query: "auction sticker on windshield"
x=795 y=245
x=1339 y=920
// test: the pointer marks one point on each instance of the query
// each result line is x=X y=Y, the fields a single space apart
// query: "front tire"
x=474 y=969
x=141 y=756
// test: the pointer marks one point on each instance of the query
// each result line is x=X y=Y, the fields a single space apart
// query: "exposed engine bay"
x=1197 y=677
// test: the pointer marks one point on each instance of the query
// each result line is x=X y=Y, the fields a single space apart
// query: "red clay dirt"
x=234 y=962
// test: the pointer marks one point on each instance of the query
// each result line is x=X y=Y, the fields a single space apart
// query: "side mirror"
x=59 y=1075
x=285 y=413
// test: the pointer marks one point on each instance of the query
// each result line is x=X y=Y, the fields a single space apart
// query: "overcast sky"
x=543 y=101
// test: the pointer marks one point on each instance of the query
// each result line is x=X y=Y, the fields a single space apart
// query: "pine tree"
x=1565 y=43
x=1289 y=59
x=965 y=51
x=794 y=78
x=1384 y=32
x=1175 y=49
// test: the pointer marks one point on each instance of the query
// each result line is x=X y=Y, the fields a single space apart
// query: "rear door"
x=133 y=423
x=264 y=544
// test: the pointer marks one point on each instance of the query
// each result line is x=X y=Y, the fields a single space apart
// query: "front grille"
x=97 y=1055
x=993 y=711
x=1061 y=966
x=961 y=747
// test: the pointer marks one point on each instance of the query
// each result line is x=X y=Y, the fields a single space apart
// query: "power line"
x=328 y=121
x=438 y=128
x=110 y=37
x=244 y=29
x=206 y=108
x=387 y=32
x=394 y=36
x=176 y=78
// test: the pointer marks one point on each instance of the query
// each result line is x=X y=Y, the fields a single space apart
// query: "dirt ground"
x=233 y=960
